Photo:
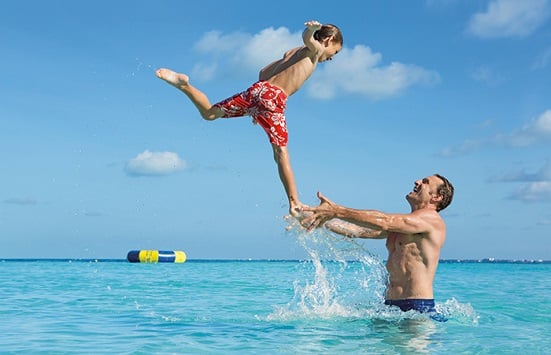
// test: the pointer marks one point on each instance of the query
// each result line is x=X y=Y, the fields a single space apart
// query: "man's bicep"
x=408 y=224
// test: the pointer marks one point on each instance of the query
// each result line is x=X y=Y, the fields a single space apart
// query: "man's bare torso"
x=412 y=262
x=290 y=72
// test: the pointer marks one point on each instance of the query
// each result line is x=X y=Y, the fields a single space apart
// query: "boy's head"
x=331 y=37
x=329 y=31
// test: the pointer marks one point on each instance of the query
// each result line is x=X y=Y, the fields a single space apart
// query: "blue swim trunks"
x=419 y=305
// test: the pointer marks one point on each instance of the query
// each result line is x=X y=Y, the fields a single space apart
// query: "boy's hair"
x=446 y=191
x=327 y=31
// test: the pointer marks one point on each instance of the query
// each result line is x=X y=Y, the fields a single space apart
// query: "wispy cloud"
x=356 y=70
x=20 y=201
x=154 y=164
x=542 y=60
x=536 y=131
x=509 y=18
x=93 y=214
x=544 y=174
x=539 y=191
x=468 y=146
x=487 y=76
x=534 y=187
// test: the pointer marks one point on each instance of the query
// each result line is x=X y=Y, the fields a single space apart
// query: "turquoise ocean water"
x=330 y=303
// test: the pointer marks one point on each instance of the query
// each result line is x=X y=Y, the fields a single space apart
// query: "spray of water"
x=342 y=278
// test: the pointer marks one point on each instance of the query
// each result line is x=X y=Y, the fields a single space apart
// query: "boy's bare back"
x=296 y=66
x=291 y=71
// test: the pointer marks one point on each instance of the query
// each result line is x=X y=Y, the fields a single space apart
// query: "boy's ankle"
x=295 y=209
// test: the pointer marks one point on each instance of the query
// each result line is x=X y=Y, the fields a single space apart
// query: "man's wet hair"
x=446 y=191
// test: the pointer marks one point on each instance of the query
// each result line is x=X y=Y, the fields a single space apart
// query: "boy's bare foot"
x=294 y=210
x=297 y=211
x=295 y=217
x=175 y=79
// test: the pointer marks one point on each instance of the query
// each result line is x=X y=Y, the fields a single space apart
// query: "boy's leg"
x=283 y=161
x=197 y=97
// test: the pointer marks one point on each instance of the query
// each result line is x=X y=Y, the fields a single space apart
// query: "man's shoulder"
x=431 y=217
x=427 y=212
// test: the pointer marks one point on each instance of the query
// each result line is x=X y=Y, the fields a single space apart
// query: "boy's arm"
x=308 y=37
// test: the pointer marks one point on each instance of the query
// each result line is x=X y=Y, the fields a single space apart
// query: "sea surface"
x=330 y=303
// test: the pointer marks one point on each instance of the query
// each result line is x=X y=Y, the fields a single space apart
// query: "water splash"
x=139 y=66
x=459 y=312
x=349 y=281
x=347 y=278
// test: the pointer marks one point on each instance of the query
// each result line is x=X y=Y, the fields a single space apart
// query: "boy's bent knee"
x=280 y=152
x=212 y=113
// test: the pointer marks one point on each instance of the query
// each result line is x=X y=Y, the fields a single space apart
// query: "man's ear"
x=436 y=198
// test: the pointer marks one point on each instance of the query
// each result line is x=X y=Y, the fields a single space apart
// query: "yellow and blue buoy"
x=156 y=256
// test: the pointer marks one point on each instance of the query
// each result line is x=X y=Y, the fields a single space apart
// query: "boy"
x=266 y=99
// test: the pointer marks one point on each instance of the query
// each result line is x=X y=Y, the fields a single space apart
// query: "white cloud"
x=534 y=187
x=204 y=72
x=214 y=42
x=535 y=131
x=268 y=45
x=544 y=174
x=353 y=71
x=539 y=191
x=154 y=164
x=242 y=51
x=509 y=18
x=343 y=69
x=359 y=71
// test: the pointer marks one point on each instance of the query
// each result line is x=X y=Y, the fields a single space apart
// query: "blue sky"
x=100 y=157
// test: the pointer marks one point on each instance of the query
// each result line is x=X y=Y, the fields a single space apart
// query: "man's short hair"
x=446 y=191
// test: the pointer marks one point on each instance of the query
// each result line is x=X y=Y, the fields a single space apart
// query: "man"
x=413 y=240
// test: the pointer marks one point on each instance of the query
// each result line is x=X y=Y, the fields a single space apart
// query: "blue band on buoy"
x=156 y=256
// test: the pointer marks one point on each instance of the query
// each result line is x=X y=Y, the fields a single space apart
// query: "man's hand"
x=320 y=214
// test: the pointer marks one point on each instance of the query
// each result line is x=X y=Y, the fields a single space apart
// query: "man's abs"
x=408 y=278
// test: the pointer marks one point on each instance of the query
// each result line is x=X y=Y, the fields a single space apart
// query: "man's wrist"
x=338 y=212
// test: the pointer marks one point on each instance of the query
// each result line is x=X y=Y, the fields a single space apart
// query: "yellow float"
x=156 y=256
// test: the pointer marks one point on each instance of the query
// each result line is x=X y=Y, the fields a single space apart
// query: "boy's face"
x=331 y=48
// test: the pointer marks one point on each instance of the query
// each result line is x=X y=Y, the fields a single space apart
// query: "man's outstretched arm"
x=412 y=223
x=351 y=230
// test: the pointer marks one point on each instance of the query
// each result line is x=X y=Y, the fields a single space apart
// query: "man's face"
x=424 y=189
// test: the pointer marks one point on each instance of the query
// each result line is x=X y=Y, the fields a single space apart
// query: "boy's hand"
x=313 y=25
